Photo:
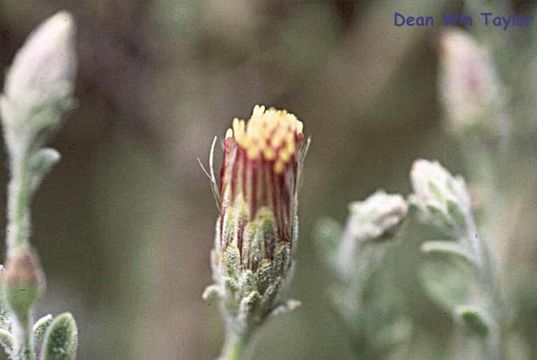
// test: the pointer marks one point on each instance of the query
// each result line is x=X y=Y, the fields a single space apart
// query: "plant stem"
x=19 y=195
x=18 y=233
x=235 y=347
x=22 y=333
x=488 y=273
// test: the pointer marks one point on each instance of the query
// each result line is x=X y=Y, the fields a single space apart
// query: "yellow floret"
x=279 y=166
x=269 y=133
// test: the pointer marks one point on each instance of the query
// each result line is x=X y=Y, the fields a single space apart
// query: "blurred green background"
x=124 y=224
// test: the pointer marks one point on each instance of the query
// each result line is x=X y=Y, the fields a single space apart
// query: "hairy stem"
x=19 y=195
x=236 y=346
x=22 y=332
x=18 y=233
x=488 y=272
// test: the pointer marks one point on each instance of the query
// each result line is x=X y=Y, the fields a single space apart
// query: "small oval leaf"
x=61 y=340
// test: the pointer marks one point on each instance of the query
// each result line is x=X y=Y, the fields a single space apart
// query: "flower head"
x=441 y=197
x=257 y=225
x=260 y=173
x=470 y=87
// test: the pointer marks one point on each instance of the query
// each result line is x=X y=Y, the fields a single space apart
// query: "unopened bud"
x=376 y=216
x=44 y=68
x=441 y=197
x=470 y=88
x=24 y=281
x=40 y=83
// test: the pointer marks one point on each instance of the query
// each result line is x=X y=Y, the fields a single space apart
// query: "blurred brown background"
x=124 y=223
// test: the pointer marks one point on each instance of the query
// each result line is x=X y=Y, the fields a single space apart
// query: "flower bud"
x=257 y=227
x=24 y=281
x=470 y=88
x=441 y=198
x=375 y=218
x=44 y=68
x=40 y=83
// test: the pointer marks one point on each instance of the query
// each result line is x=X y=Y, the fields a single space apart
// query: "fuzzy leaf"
x=41 y=163
x=474 y=318
x=449 y=248
x=61 y=340
x=449 y=286
x=212 y=292
x=438 y=216
x=456 y=215
x=41 y=327
x=286 y=306
x=6 y=340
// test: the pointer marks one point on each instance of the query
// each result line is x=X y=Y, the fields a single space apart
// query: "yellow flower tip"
x=259 y=110
x=252 y=153
x=269 y=153
x=269 y=134
x=279 y=166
